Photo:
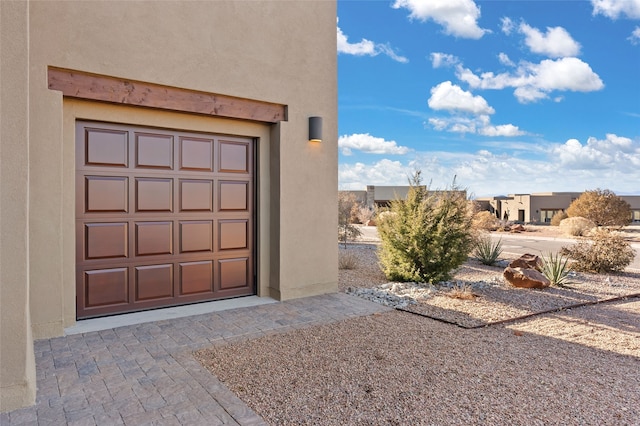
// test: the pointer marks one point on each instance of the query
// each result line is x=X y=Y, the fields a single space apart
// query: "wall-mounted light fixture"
x=315 y=129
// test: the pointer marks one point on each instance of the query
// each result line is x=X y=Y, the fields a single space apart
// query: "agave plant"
x=486 y=251
x=557 y=269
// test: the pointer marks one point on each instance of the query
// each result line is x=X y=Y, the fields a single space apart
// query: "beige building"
x=540 y=207
x=380 y=195
x=159 y=153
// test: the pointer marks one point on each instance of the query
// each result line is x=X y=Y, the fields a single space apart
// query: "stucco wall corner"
x=17 y=360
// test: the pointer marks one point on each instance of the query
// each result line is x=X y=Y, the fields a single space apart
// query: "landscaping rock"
x=527 y=261
x=525 y=278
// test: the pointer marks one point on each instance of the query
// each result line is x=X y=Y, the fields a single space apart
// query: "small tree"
x=346 y=204
x=603 y=207
x=427 y=235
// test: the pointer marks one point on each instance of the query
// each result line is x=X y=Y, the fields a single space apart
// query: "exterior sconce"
x=315 y=129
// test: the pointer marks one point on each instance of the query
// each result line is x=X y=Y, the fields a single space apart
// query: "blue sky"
x=507 y=96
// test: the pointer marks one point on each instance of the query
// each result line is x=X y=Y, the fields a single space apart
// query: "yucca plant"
x=556 y=268
x=486 y=251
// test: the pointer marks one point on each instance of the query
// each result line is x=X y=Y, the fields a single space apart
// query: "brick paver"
x=145 y=374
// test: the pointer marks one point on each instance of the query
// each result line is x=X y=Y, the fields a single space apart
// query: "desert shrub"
x=486 y=251
x=347 y=260
x=556 y=268
x=427 y=235
x=601 y=206
x=485 y=221
x=576 y=226
x=558 y=217
x=365 y=214
x=346 y=229
x=604 y=251
x=462 y=291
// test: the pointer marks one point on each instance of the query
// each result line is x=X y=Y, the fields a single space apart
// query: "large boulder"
x=527 y=261
x=517 y=228
x=525 y=278
x=525 y=272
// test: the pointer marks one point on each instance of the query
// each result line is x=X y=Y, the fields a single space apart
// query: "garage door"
x=163 y=218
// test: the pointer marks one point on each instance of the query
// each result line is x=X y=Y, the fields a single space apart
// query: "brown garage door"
x=163 y=218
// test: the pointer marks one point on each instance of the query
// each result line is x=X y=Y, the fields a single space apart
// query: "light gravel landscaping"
x=571 y=366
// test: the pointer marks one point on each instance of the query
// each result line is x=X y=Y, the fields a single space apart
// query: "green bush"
x=427 y=235
x=486 y=251
x=604 y=251
x=556 y=268
x=558 y=217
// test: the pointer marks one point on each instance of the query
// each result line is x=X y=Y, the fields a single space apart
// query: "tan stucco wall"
x=17 y=364
x=273 y=51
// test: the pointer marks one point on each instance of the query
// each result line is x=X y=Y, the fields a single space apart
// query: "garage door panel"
x=106 y=287
x=106 y=240
x=106 y=194
x=196 y=236
x=154 y=195
x=233 y=273
x=154 y=238
x=154 y=151
x=107 y=148
x=233 y=234
x=196 y=277
x=196 y=195
x=234 y=195
x=234 y=157
x=196 y=154
x=163 y=218
x=153 y=282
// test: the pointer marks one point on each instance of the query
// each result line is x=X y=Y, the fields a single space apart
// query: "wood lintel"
x=95 y=87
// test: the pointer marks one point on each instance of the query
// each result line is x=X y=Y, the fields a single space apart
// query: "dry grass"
x=462 y=292
x=347 y=260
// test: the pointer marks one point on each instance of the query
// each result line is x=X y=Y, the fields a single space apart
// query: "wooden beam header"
x=95 y=87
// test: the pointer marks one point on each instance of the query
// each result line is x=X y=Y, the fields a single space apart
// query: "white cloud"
x=450 y=97
x=614 y=152
x=506 y=25
x=556 y=43
x=505 y=60
x=470 y=114
x=533 y=82
x=615 y=8
x=612 y=163
x=475 y=125
x=508 y=130
x=384 y=172
x=439 y=60
x=634 y=38
x=366 y=48
x=458 y=17
x=366 y=143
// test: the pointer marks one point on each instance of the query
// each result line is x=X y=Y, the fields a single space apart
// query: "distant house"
x=540 y=207
x=377 y=196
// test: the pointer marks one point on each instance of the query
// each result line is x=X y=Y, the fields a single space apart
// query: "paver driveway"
x=146 y=374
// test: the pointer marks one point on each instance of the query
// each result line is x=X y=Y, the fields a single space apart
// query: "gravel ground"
x=578 y=366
